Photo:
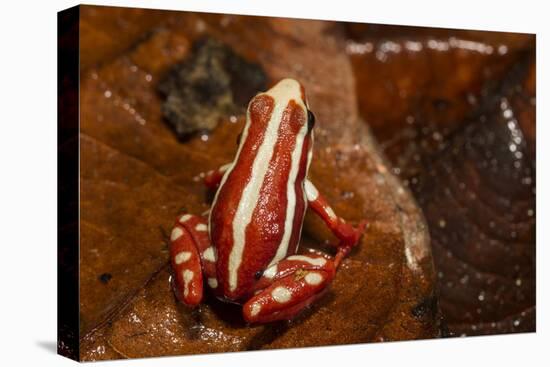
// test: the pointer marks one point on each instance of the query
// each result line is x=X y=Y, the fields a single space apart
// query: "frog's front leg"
x=345 y=232
x=213 y=178
x=288 y=287
x=192 y=256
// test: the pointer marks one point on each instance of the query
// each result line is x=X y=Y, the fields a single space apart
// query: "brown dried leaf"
x=136 y=177
x=455 y=113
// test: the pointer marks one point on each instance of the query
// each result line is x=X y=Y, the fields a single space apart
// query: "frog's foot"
x=289 y=287
x=191 y=255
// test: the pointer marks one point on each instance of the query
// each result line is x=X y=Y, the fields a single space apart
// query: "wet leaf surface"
x=455 y=113
x=136 y=176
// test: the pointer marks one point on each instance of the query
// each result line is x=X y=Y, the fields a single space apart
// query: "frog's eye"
x=310 y=120
x=258 y=275
x=239 y=138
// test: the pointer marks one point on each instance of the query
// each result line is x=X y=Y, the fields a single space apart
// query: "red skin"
x=289 y=273
x=303 y=281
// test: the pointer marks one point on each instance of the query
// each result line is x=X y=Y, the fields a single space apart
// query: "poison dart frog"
x=245 y=249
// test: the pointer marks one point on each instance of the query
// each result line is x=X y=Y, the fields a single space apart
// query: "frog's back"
x=257 y=214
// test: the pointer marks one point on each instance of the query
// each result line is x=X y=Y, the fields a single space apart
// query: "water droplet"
x=518 y=282
x=507 y=114
x=347 y=194
x=481 y=296
x=502 y=49
x=200 y=26
x=381 y=168
x=442 y=223
x=381 y=56
x=413 y=46
x=107 y=94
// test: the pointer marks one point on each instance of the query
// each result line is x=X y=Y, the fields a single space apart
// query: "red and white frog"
x=246 y=248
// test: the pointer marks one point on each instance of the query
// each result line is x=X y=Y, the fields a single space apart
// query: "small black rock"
x=212 y=83
x=105 y=277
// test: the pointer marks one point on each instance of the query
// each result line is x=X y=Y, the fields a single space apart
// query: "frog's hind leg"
x=191 y=255
x=287 y=288
x=345 y=232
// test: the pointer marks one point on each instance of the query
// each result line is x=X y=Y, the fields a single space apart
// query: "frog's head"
x=281 y=116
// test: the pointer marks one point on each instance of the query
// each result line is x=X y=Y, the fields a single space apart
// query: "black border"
x=68 y=182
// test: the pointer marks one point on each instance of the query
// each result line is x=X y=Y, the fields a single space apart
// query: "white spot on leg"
x=319 y=261
x=256 y=308
x=281 y=294
x=187 y=278
x=330 y=212
x=184 y=218
x=176 y=233
x=209 y=254
x=213 y=282
x=311 y=191
x=182 y=257
x=270 y=272
x=313 y=278
x=201 y=227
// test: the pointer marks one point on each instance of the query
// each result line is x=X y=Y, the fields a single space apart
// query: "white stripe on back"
x=251 y=193
x=228 y=171
x=290 y=196
x=282 y=93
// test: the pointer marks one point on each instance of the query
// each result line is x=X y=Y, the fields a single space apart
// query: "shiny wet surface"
x=137 y=176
